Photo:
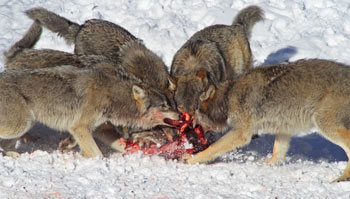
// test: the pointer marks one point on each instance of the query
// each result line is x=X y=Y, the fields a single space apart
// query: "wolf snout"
x=182 y=109
x=170 y=120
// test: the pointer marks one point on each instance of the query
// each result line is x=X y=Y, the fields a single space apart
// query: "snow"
x=292 y=30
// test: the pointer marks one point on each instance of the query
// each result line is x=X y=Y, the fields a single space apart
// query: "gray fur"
x=283 y=100
x=222 y=50
x=77 y=100
x=62 y=26
x=133 y=59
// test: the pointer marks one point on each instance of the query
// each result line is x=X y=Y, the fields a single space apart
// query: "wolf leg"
x=280 y=148
x=86 y=142
x=332 y=124
x=230 y=141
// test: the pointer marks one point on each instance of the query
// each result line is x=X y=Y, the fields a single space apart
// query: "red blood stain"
x=175 y=148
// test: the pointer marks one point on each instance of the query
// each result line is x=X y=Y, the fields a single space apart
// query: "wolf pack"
x=113 y=86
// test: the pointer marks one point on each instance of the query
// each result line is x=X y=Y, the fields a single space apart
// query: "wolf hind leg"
x=15 y=121
x=345 y=176
x=331 y=127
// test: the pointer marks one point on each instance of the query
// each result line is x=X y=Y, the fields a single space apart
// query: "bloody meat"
x=187 y=135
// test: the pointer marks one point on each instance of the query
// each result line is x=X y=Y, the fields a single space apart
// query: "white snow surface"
x=292 y=30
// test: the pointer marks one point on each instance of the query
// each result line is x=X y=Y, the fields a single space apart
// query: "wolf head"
x=194 y=65
x=212 y=109
x=188 y=89
x=153 y=107
x=147 y=66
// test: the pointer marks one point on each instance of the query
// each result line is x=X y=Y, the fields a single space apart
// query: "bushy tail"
x=62 y=26
x=248 y=17
x=28 y=41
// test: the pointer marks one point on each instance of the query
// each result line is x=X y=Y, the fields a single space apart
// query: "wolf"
x=78 y=100
x=104 y=38
x=100 y=37
x=284 y=100
x=131 y=53
x=134 y=59
x=212 y=55
x=21 y=56
x=94 y=37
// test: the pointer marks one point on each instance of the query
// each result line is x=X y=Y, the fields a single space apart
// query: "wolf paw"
x=274 y=161
x=185 y=158
x=342 y=178
x=12 y=154
x=67 y=144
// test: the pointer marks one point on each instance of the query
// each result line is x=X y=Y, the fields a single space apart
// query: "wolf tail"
x=60 y=25
x=28 y=41
x=248 y=17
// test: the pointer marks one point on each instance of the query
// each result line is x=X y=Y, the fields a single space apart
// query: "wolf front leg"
x=233 y=139
x=106 y=132
x=86 y=142
x=280 y=148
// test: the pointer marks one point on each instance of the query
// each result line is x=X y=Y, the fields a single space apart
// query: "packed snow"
x=291 y=30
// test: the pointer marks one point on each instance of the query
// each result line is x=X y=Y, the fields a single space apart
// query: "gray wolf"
x=212 y=55
x=282 y=99
x=78 y=100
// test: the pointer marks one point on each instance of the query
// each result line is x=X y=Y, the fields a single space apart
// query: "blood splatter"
x=189 y=140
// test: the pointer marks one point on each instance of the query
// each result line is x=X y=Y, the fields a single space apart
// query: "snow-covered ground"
x=292 y=30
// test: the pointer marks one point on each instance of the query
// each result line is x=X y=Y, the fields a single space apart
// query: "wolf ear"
x=172 y=83
x=141 y=98
x=208 y=93
x=202 y=75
